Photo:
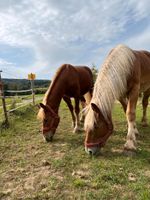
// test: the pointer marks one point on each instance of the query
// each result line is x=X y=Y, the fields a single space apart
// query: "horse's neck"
x=102 y=98
x=55 y=95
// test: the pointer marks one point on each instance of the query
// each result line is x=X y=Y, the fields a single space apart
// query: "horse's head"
x=97 y=129
x=50 y=122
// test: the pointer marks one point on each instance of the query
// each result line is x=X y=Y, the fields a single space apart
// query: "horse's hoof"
x=82 y=121
x=137 y=134
x=144 y=124
x=77 y=130
x=128 y=152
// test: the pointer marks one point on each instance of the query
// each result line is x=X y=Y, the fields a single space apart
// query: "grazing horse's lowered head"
x=97 y=130
x=50 y=121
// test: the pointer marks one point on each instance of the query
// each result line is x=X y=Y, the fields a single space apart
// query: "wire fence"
x=18 y=91
x=16 y=100
x=19 y=105
x=12 y=99
x=19 y=101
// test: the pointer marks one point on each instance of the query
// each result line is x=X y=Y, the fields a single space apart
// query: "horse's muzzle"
x=92 y=150
x=48 y=137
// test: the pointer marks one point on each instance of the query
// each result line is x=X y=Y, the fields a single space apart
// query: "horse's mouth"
x=48 y=137
x=92 y=150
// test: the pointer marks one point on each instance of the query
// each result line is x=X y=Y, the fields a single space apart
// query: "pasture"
x=31 y=169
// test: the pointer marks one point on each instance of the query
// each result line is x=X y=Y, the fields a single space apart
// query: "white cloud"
x=4 y=62
x=140 y=41
x=140 y=8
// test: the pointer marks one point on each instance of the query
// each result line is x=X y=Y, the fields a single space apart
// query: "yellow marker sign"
x=31 y=76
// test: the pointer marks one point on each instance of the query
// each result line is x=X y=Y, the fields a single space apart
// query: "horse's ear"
x=45 y=108
x=98 y=111
x=42 y=106
x=95 y=108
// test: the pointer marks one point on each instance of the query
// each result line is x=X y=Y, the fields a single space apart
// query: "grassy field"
x=31 y=169
x=10 y=101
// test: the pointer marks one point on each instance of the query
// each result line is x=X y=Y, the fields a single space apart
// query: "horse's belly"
x=144 y=86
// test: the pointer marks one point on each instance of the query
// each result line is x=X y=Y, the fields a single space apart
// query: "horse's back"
x=144 y=61
x=85 y=78
x=78 y=78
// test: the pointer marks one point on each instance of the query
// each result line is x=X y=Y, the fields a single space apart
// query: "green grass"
x=32 y=169
x=16 y=101
x=11 y=100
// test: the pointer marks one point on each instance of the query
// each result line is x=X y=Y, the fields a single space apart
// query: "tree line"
x=40 y=86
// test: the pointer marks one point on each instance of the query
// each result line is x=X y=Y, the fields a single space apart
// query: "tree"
x=94 y=72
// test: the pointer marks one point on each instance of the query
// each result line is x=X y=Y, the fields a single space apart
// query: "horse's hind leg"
x=130 y=114
x=145 y=104
x=77 y=111
x=70 y=106
x=124 y=103
x=83 y=105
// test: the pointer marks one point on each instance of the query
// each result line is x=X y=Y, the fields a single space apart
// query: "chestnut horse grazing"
x=124 y=74
x=69 y=81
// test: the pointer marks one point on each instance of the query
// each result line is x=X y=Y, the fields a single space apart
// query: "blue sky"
x=38 y=36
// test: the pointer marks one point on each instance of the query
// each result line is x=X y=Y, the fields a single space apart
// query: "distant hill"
x=24 y=84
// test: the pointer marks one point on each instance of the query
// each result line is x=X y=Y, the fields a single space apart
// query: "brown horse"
x=69 y=81
x=124 y=74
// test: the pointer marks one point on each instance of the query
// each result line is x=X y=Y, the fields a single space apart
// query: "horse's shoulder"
x=146 y=53
x=142 y=54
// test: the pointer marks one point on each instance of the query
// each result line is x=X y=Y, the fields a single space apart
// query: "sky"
x=38 y=36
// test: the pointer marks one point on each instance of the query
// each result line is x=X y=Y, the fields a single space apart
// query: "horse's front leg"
x=70 y=106
x=124 y=103
x=77 y=111
x=130 y=114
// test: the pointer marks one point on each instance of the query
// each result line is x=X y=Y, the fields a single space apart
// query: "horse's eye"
x=96 y=125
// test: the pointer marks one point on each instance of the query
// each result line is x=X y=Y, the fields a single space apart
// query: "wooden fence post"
x=3 y=101
x=32 y=77
x=32 y=88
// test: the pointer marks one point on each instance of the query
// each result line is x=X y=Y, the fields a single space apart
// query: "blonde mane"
x=41 y=114
x=111 y=82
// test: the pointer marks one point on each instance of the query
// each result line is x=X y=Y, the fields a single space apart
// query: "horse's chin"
x=92 y=150
x=48 y=137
